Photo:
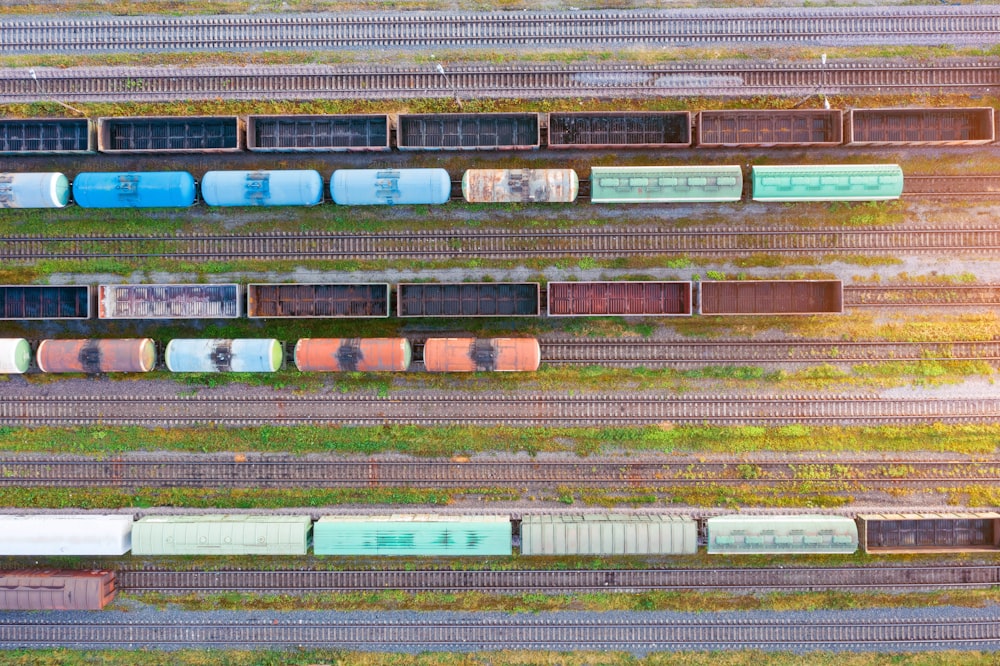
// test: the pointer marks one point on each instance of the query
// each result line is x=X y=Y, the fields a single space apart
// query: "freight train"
x=358 y=187
x=435 y=535
x=604 y=130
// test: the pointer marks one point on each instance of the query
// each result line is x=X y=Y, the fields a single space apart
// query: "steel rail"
x=502 y=244
x=136 y=581
x=522 y=410
x=137 y=84
x=866 y=25
x=694 y=353
x=638 y=633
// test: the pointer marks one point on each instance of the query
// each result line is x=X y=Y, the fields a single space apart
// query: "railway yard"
x=613 y=332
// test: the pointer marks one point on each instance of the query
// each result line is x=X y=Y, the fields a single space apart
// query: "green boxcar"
x=412 y=535
x=837 y=182
x=749 y=535
x=665 y=184
x=221 y=535
x=608 y=534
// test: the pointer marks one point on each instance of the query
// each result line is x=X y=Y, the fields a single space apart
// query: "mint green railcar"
x=666 y=184
x=217 y=534
x=833 y=182
x=412 y=534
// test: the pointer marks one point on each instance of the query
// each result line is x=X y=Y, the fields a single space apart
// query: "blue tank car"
x=33 y=190
x=367 y=187
x=146 y=189
x=262 y=188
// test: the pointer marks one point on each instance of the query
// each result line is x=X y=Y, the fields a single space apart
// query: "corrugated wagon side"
x=170 y=134
x=44 y=302
x=468 y=131
x=47 y=136
x=318 y=133
x=929 y=532
x=56 y=589
x=921 y=127
x=638 y=299
x=413 y=534
x=168 y=301
x=767 y=128
x=608 y=534
x=661 y=129
x=300 y=301
x=771 y=297
x=468 y=299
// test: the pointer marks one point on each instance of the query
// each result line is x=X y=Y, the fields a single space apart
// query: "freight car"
x=731 y=128
x=363 y=187
x=490 y=355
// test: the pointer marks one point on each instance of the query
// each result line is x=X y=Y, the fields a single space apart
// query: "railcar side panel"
x=418 y=535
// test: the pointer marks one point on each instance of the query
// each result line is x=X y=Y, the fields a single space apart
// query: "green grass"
x=973 y=440
x=301 y=657
x=681 y=601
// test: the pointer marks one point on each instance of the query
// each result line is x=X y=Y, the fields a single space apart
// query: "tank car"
x=93 y=356
x=134 y=189
x=33 y=190
x=353 y=354
x=520 y=185
x=15 y=356
x=366 y=187
x=302 y=187
x=472 y=355
x=239 y=355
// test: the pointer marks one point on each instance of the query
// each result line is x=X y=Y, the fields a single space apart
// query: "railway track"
x=277 y=471
x=423 y=30
x=152 y=84
x=489 y=409
x=978 y=186
x=633 y=632
x=896 y=578
x=633 y=352
x=502 y=244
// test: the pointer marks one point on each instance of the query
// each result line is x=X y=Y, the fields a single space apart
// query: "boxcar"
x=830 y=182
x=33 y=190
x=770 y=297
x=666 y=184
x=929 y=532
x=419 y=534
x=582 y=299
x=608 y=534
x=239 y=355
x=56 y=589
x=342 y=301
x=221 y=535
x=353 y=354
x=292 y=187
x=15 y=356
x=745 y=535
x=134 y=189
x=93 y=356
x=371 y=187
x=65 y=534
x=472 y=355
x=520 y=185
x=168 y=301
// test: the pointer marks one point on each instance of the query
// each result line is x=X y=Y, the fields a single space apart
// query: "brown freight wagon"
x=771 y=297
x=607 y=129
x=770 y=128
x=56 y=589
x=581 y=299
x=929 y=532
x=920 y=127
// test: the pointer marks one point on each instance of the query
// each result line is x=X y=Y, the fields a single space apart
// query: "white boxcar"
x=608 y=534
x=65 y=534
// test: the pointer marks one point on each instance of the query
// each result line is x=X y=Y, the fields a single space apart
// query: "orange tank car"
x=352 y=354
x=471 y=355
x=93 y=356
